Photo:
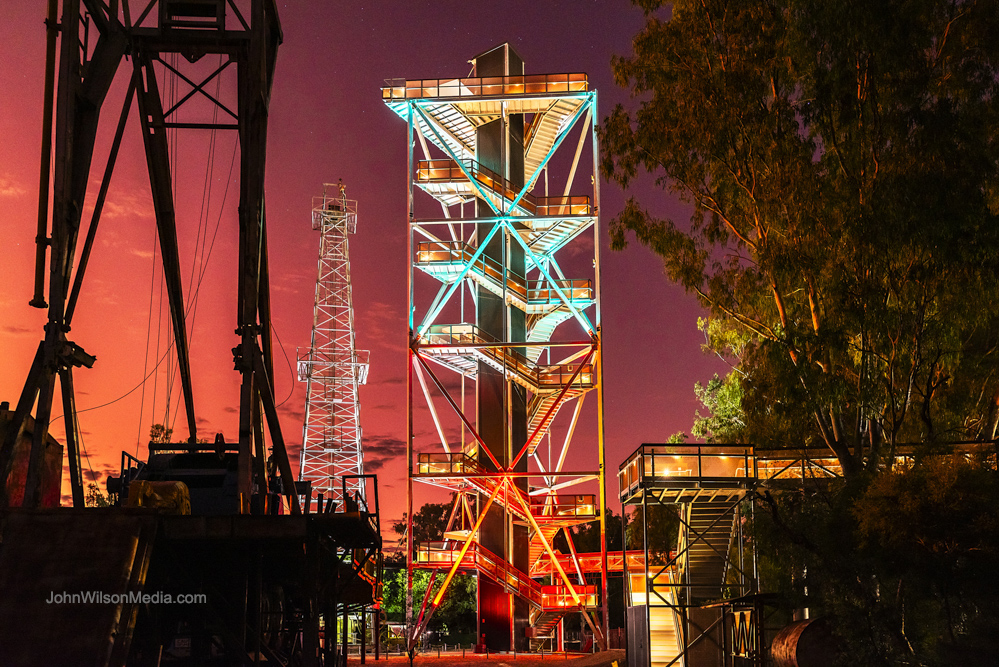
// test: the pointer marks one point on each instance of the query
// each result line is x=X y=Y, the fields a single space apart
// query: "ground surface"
x=455 y=659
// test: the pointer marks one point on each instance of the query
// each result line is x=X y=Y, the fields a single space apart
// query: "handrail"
x=562 y=505
x=531 y=84
x=439 y=554
x=591 y=562
x=447 y=463
x=449 y=171
x=457 y=335
x=693 y=463
x=702 y=461
x=532 y=291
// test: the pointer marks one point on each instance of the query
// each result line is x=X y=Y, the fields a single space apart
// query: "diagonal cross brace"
x=435 y=311
x=424 y=619
x=461 y=165
x=555 y=146
x=457 y=410
x=578 y=314
x=554 y=405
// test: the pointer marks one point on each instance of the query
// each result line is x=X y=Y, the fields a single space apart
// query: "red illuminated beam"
x=457 y=410
x=553 y=406
x=421 y=623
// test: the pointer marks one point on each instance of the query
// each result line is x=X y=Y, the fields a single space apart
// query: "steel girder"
x=85 y=77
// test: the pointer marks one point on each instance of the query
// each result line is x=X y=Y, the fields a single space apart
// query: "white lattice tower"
x=332 y=368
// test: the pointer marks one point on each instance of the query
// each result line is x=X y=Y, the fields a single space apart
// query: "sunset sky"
x=327 y=122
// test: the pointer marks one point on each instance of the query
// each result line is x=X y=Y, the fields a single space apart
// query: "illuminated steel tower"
x=488 y=293
x=332 y=368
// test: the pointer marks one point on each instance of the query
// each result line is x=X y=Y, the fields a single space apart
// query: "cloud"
x=384 y=445
x=9 y=188
x=293 y=412
x=380 y=323
x=128 y=205
x=380 y=449
x=16 y=330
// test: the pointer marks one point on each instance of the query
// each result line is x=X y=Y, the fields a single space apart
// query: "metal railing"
x=532 y=291
x=441 y=555
x=331 y=205
x=449 y=171
x=532 y=84
x=564 y=506
x=686 y=464
x=591 y=562
x=453 y=463
x=555 y=597
x=558 y=375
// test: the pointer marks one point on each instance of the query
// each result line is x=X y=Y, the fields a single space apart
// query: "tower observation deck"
x=504 y=330
x=332 y=368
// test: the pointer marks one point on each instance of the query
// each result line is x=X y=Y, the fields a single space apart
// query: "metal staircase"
x=544 y=131
x=706 y=534
x=440 y=555
x=664 y=622
x=536 y=549
x=705 y=484
x=543 y=624
x=447 y=261
x=461 y=346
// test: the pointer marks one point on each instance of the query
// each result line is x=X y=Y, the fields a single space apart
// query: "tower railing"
x=450 y=171
x=529 y=84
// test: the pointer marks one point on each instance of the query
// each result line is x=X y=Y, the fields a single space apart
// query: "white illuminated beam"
x=433 y=411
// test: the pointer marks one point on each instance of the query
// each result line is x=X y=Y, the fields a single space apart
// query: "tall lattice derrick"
x=332 y=367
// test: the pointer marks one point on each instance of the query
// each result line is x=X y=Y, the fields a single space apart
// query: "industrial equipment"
x=208 y=554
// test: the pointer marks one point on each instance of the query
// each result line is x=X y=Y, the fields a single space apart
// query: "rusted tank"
x=808 y=643
x=51 y=474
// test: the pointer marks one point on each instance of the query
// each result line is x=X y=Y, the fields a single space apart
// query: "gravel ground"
x=604 y=659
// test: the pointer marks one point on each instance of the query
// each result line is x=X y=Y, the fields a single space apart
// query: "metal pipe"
x=409 y=380
x=602 y=465
x=41 y=237
x=99 y=204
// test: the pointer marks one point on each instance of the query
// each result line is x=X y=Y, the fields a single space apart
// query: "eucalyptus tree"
x=840 y=162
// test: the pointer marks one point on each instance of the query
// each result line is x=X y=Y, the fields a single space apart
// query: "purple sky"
x=327 y=122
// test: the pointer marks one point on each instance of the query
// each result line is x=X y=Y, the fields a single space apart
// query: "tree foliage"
x=429 y=523
x=906 y=562
x=160 y=433
x=455 y=618
x=841 y=163
x=95 y=497
x=658 y=534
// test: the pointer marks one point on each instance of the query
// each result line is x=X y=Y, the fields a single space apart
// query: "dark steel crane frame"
x=192 y=29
